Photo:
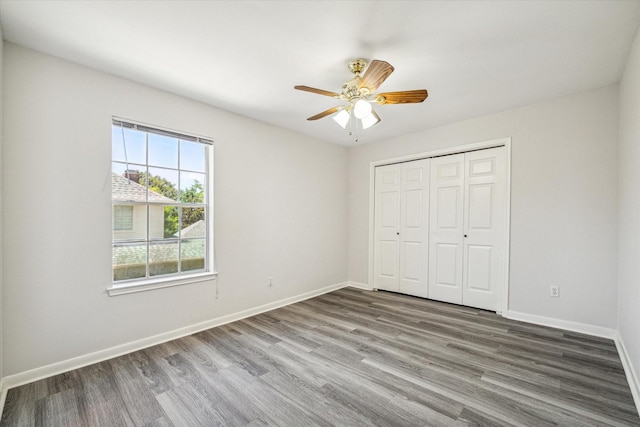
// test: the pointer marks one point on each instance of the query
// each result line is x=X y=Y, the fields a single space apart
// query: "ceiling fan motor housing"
x=357 y=65
x=350 y=90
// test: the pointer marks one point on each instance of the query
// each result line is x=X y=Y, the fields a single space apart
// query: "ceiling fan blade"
x=325 y=113
x=318 y=91
x=402 y=97
x=376 y=74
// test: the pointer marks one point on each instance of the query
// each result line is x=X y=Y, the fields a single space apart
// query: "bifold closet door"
x=467 y=231
x=401 y=227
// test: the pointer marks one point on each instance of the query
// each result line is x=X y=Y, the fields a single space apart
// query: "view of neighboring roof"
x=159 y=251
x=126 y=190
x=197 y=229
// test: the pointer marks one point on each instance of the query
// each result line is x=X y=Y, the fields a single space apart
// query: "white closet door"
x=467 y=231
x=387 y=228
x=402 y=227
x=485 y=216
x=446 y=229
x=414 y=228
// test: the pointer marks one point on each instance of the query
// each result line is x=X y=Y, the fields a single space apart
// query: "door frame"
x=501 y=142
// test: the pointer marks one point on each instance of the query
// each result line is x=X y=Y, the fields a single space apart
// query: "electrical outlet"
x=555 y=292
x=270 y=281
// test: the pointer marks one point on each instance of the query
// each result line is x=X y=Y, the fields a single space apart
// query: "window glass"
x=129 y=261
x=163 y=151
x=193 y=254
x=128 y=145
x=122 y=217
x=160 y=203
x=191 y=156
x=192 y=187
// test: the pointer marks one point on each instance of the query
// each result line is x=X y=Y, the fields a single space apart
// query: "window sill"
x=148 y=285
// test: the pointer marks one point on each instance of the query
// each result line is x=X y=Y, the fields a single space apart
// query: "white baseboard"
x=36 y=374
x=363 y=286
x=583 y=328
x=630 y=372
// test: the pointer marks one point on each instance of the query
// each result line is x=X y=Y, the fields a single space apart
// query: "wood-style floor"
x=348 y=358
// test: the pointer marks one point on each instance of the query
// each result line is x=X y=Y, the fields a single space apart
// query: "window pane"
x=129 y=261
x=134 y=141
x=163 y=258
x=193 y=223
x=125 y=185
x=193 y=254
x=192 y=187
x=192 y=156
x=129 y=222
x=163 y=185
x=118 y=168
x=163 y=151
x=122 y=218
x=163 y=222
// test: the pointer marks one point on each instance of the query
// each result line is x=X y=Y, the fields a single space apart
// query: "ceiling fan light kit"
x=370 y=120
x=362 y=108
x=359 y=94
x=342 y=118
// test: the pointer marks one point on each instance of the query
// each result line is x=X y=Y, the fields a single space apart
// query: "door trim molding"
x=501 y=142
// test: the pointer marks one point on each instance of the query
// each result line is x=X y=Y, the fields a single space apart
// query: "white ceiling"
x=474 y=57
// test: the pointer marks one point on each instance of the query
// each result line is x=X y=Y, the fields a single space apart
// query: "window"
x=161 y=196
x=122 y=218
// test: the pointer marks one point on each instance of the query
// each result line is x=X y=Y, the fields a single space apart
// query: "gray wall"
x=629 y=202
x=1 y=209
x=280 y=210
x=563 y=201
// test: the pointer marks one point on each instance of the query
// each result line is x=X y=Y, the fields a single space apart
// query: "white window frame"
x=180 y=278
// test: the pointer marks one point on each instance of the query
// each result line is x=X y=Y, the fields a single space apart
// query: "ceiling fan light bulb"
x=342 y=118
x=361 y=109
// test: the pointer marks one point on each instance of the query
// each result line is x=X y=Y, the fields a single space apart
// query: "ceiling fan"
x=359 y=93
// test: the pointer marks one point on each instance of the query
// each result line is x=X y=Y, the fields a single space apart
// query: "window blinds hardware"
x=145 y=128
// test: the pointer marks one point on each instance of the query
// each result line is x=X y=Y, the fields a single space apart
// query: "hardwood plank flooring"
x=348 y=358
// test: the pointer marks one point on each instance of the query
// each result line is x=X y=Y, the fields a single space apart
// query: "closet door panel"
x=485 y=216
x=447 y=267
x=386 y=227
x=446 y=228
x=414 y=228
x=479 y=260
x=389 y=260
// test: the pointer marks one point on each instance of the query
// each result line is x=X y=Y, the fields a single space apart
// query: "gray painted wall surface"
x=280 y=211
x=564 y=182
